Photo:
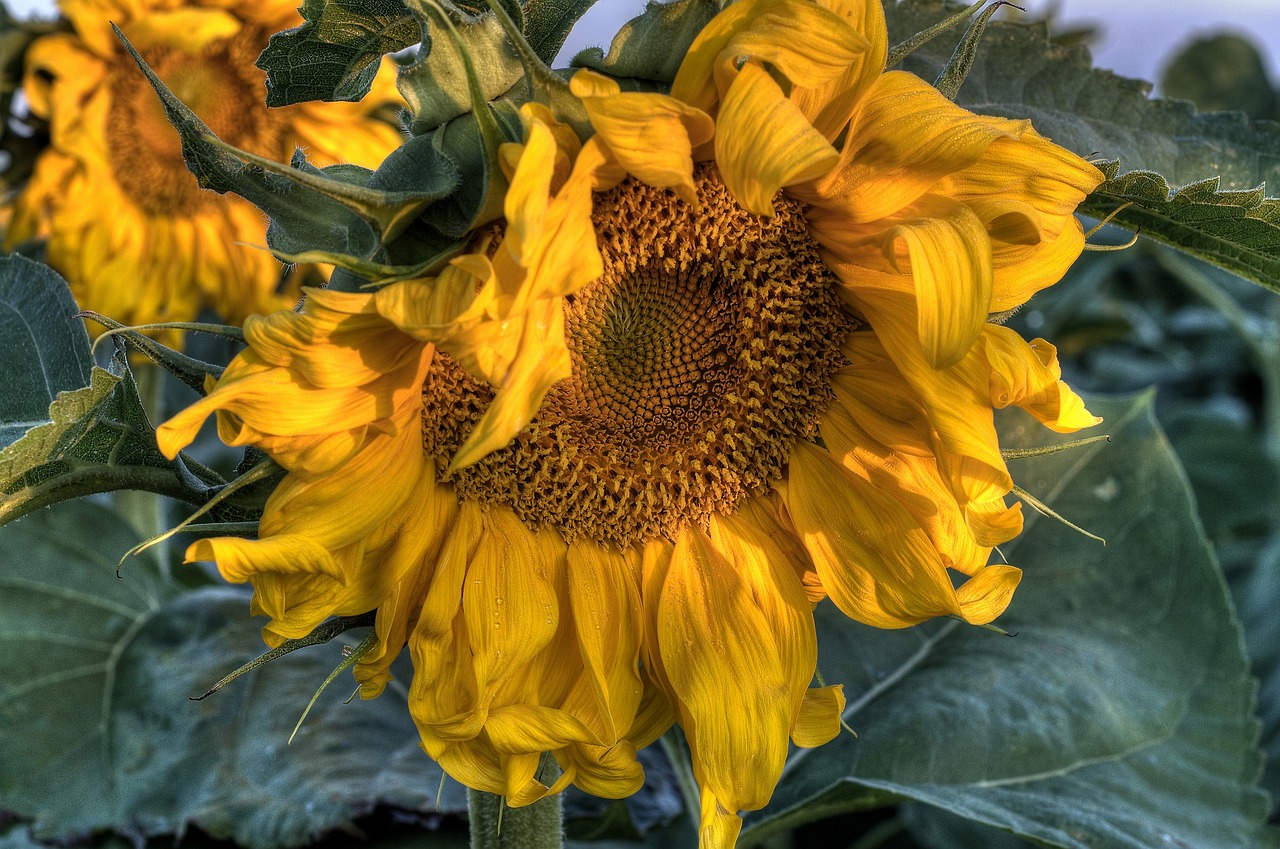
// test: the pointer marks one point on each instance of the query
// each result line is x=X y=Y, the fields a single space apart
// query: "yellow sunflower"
x=726 y=357
x=126 y=223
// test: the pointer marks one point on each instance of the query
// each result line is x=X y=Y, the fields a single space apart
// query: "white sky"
x=1138 y=35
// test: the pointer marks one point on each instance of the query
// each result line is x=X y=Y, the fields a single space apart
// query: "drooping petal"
x=652 y=136
x=830 y=105
x=763 y=141
x=607 y=616
x=723 y=629
x=904 y=138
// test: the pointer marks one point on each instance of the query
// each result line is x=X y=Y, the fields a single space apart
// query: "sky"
x=1138 y=36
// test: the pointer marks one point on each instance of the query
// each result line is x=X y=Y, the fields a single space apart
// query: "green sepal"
x=335 y=55
x=301 y=217
x=387 y=211
x=323 y=633
x=952 y=76
x=1237 y=230
x=917 y=40
x=651 y=46
x=189 y=370
x=96 y=439
x=437 y=86
x=545 y=86
x=479 y=199
x=547 y=23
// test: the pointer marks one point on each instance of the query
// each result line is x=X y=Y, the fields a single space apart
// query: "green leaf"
x=652 y=45
x=436 y=87
x=1237 y=230
x=97 y=439
x=43 y=344
x=1119 y=716
x=547 y=24
x=99 y=731
x=336 y=53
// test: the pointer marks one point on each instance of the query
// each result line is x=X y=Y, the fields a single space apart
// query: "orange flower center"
x=700 y=355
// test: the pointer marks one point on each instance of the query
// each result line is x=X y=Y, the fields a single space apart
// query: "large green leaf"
x=1120 y=714
x=1019 y=73
x=99 y=730
x=43 y=345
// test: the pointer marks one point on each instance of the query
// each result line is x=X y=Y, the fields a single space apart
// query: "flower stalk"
x=496 y=826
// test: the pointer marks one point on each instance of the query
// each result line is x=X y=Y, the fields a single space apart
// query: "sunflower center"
x=700 y=355
x=218 y=83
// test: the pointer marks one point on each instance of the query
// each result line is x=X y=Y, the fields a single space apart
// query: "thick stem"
x=495 y=826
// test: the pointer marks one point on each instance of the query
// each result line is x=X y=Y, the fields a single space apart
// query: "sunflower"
x=727 y=356
x=124 y=221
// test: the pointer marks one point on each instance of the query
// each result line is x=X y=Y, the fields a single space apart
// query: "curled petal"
x=651 y=136
x=763 y=142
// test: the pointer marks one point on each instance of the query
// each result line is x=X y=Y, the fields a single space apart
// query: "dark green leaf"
x=651 y=46
x=99 y=731
x=335 y=54
x=1120 y=714
x=1236 y=230
x=43 y=345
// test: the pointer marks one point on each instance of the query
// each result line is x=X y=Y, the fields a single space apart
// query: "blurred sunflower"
x=124 y=220
x=727 y=356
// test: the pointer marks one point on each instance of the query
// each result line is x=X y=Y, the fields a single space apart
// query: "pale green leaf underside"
x=1119 y=717
x=1238 y=230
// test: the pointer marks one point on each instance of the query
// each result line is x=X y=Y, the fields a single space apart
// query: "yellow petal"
x=695 y=82
x=808 y=44
x=830 y=105
x=904 y=138
x=652 y=136
x=509 y=605
x=542 y=360
x=718 y=827
x=1027 y=374
x=607 y=617
x=950 y=263
x=986 y=595
x=875 y=562
x=819 y=719
x=240 y=559
x=763 y=142
x=722 y=633
x=190 y=30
